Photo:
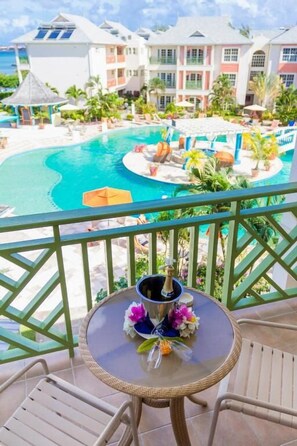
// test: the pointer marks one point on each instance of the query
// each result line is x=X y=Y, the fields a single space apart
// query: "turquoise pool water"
x=51 y=179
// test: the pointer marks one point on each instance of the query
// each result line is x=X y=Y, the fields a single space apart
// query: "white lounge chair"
x=58 y=413
x=263 y=383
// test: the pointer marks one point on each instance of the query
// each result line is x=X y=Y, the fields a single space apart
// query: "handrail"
x=228 y=246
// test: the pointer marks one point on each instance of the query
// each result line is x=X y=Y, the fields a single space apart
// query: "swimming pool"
x=51 y=179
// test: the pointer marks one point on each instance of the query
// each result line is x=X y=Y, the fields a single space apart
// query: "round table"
x=111 y=356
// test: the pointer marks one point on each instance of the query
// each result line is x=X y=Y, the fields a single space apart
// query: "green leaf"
x=146 y=345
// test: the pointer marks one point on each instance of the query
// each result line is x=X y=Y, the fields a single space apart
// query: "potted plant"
x=153 y=168
x=267 y=164
x=41 y=115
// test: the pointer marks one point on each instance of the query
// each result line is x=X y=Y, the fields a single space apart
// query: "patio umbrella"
x=69 y=107
x=106 y=196
x=184 y=104
x=255 y=107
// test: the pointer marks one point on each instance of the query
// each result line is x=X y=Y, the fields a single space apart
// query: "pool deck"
x=173 y=172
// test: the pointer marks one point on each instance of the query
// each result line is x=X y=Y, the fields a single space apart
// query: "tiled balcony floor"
x=155 y=430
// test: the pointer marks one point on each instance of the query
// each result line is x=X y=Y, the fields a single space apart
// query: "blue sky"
x=19 y=16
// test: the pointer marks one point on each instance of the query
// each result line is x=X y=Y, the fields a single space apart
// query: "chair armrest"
x=18 y=374
x=267 y=324
x=116 y=420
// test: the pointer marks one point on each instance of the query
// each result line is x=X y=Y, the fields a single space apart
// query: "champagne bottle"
x=167 y=291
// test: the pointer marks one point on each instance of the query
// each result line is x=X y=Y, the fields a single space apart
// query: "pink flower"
x=137 y=313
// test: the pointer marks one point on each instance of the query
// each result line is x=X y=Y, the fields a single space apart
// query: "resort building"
x=188 y=57
x=135 y=54
x=274 y=51
x=69 y=50
x=192 y=54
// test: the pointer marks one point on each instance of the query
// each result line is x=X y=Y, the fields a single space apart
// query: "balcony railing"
x=163 y=60
x=111 y=83
x=195 y=60
x=170 y=84
x=110 y=58
x=121 y=58
x=121 y=80
x=194 y=85
x=229 y=255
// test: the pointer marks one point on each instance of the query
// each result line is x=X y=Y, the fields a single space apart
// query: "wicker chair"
x=58 y=413
x=262 y=384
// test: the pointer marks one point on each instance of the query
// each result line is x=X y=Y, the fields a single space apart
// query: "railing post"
x=231 y=255
x=64 y=292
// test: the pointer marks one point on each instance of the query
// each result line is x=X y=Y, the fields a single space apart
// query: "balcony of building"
x=195 y=60
x=194 y=85
x=162 y=60
x=121 y=58
x=110 y=58
x=54 y=265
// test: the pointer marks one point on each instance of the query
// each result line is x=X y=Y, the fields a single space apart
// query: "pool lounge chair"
x=137 y=120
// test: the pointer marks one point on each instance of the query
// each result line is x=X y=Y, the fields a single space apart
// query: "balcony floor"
x=233 y=429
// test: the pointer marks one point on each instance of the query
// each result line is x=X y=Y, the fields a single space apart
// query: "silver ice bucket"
x=149 y=290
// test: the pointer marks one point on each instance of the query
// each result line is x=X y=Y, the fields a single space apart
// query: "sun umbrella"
x=184 y=104
x=255 y=107
x=106 y=196
x=69 y=107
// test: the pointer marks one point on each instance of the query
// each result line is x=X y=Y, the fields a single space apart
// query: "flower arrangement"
x=181 y=321
x=184 y=320
x=135 y=313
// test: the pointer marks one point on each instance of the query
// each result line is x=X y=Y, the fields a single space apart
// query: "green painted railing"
x=194 y=60
x=163 y=60
x=194 y=85
x=53 y=265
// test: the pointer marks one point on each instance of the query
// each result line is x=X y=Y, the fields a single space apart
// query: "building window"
x=289 y=55
x=168 y=55
x=230 y=55
x=135 y=72
x=254 y=74
x=165 y=100
x=288 y=79
x=258 y=59
x=232 y=78
x=134 y=51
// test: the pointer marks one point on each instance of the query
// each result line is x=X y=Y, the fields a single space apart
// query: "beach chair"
x=57 y=412
x=163 y=152
x=262 y=384
x=26 y=118
x=148 y=118
x=138 y=120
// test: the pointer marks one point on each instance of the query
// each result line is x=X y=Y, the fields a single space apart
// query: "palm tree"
x=157 y=86
x=212 y=179
x=75 y=93
x=266 y=88
x=54 y=89
x=286 y=104
x=194 y=158
x=94 y=84
x=222 y=94
x=262 y=147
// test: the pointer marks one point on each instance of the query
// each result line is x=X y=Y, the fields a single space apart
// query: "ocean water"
x=7 y=61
